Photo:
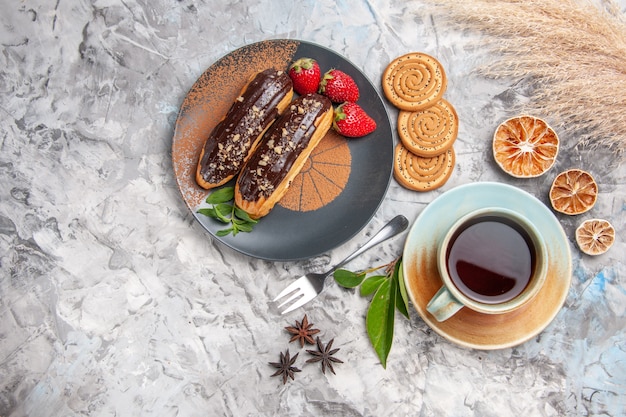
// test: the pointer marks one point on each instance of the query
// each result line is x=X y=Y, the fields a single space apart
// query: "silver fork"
x=311 y=285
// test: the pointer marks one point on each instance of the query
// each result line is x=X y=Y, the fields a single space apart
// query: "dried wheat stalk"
x=572 y=51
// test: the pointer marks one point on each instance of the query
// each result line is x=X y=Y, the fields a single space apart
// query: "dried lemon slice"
x=525 y=146
x=595 y=236
x=573 y=192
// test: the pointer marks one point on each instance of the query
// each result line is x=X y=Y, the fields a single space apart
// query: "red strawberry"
x=351 y=121
x=305 y=74
x=339 y=87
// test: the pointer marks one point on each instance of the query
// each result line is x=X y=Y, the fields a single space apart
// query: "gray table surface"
x=115 y=301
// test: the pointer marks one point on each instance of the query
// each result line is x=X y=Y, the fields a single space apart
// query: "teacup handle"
x=443 y=305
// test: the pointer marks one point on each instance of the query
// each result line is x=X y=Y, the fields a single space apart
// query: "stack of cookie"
x=427 y=124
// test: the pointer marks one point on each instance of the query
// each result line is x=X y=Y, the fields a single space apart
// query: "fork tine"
x=302 y=301
x=294 y=286
x=303 y=292
x=297 y=294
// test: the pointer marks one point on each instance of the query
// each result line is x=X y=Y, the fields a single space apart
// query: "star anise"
x=285 y=366
x=324 y=355
x=302 y=331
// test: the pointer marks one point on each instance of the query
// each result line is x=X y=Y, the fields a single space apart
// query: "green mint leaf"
x=244 y=216
x=402 y=299
x=224 y=212
x=225 y=232
x=221 y=195
x=239 y=220
x=209 y=212
x=380 y=318
x=244 y=227
x=348 y=279
x=371 y=284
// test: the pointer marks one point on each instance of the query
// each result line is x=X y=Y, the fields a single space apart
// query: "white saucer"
x=468 y=328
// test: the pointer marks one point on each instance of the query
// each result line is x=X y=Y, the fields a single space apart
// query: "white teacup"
x=491 y=260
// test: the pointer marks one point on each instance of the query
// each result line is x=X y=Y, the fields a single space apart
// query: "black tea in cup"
x=491 y=259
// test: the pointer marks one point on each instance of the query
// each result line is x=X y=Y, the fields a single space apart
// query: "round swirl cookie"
x=414 y=81
x=431 y=131
x=420 y=173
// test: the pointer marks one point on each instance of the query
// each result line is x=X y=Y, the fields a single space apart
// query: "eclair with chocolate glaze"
x=282 y=153
x=234 y=138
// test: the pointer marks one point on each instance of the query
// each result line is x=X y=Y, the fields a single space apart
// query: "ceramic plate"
x=468 y=328
x=320 y=220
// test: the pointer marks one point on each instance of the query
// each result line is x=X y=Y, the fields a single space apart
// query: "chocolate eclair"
x=230 y=144
x=282 y=152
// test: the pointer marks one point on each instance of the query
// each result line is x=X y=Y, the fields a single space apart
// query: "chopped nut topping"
x=236 y=137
